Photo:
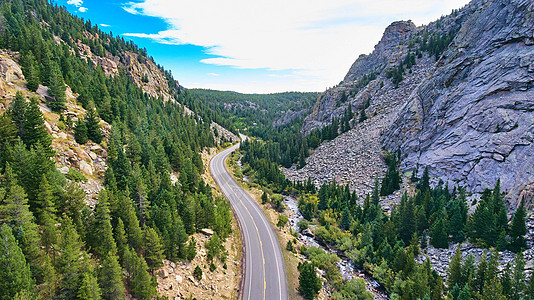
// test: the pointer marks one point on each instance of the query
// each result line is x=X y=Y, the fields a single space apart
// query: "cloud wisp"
x=316 y=40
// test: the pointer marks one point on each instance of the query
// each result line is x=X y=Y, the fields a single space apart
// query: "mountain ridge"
x=467 y=46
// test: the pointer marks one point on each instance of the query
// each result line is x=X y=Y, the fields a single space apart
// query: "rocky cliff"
x=468 y=115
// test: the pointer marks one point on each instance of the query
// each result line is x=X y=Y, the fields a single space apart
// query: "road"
x=265 y=276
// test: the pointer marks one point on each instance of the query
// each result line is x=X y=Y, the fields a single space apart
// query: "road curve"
x=265 y=276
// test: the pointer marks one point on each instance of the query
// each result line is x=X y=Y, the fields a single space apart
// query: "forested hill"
x=100 y=163
x=244 y=110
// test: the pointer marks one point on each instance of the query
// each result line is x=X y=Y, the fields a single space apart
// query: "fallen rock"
x=207 y=231
x=86 y=168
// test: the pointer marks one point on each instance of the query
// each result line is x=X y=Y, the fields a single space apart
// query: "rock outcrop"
x=469 y=118
x=472 y=121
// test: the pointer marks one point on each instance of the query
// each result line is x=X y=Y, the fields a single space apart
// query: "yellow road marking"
x=259 y=238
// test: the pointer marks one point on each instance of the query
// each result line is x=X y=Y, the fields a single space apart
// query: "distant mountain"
x=455 y=95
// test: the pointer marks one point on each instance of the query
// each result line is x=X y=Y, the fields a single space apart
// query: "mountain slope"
x=468 y=118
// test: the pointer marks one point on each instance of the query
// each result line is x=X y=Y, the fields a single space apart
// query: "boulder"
x=86 y=168
x=207 y=232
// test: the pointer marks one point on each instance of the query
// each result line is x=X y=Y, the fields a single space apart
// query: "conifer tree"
x=80 y=132
x=438 y=234
x=56 y=87
x=140 y=281
x=15 y=212
x=518 y=277
x=456 y=222
x=72 y=260
x=15 y=274
x=120 y=237
x=465 y=293
x=49 y=281
x=346 y=219
x=29 y=69
x=33 y=128
x=309 y=283
x=481 y=274
x=103 y=242
x=17 y=110
x=454 y=273
x=469 y=269
x=518 y=229
x=264 y=198
x=47 y=218
x=131 y=223
x=94 y=133
x=153 y=248
x=110 y=278
x=89 y=289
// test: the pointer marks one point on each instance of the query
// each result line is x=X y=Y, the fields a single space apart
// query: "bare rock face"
x=472 y=121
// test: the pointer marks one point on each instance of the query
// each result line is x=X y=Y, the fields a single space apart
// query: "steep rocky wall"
x=471 y=118
x=472 y=121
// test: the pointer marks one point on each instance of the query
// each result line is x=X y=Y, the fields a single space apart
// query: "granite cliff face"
x=469 y=115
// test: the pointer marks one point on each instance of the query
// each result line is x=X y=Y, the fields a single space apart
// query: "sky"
x=256 y=46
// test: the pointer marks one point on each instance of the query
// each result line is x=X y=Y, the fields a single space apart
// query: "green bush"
x=75 y=175
x=197 y=273
x=61 y=125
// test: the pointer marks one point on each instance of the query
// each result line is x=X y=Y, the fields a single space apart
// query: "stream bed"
x=345 y=266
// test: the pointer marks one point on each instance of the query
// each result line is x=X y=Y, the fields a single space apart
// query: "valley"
x=410 y=179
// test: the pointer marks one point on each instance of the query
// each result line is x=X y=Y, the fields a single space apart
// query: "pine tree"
x=15 y=212
x=89 y=289
x=518 y=277
x=15 y=274
x=438 y=234
x=140 y=281
x=264 y=198
x=34 y=130
x=469 y=269
x=80 y=132
x=465 y=293
x=131 y=223
x=309 y=282
x=17 y=111
x=72 y=259
x=454 y=273
x=456 y=222
x=120 y=237
x=518 y=229
x=110 y=278
x=29 y=67
x=346 y=219
x=47 y=218
x=153 y=249
x=94 y=133
x=191 y=250
x=102 y=239
x=8 y=130
x=481 y=274
x=56 y=87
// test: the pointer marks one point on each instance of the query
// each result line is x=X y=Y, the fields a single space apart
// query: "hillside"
x=104 y=191
x=454 y=95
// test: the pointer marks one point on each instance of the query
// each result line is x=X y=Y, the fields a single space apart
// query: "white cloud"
x=82 y=9
x=318 y=40
x=76 y=3
x=104 y=25
x=214 y=74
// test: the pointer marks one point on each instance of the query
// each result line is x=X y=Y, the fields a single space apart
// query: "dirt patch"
x=176 y=280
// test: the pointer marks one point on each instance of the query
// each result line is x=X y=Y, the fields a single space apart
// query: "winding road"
x=265 y=276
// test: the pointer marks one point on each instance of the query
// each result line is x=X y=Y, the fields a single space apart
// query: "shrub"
x=75 y=175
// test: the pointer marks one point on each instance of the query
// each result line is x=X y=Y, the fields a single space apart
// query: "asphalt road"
x=265 y=276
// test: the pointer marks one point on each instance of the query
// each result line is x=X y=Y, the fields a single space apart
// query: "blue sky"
x=256 y=46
